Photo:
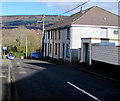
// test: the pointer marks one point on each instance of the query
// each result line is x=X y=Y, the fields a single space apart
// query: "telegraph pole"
x=43 y=29
x=43 y=24
x=26 y=48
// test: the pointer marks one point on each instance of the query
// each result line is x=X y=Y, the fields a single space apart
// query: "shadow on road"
x=41 y=84
x=46 y=82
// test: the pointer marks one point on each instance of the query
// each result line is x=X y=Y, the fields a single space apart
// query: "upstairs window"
x=104 y=32
x=48 y=34
x=55 y=34
x=68 y=33
x=115 y=32
x=51 y=34
x=59 y=34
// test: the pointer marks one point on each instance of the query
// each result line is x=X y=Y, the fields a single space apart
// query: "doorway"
x=63 y=51
x=86 y=52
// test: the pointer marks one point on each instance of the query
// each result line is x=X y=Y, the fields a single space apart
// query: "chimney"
x=81 y=9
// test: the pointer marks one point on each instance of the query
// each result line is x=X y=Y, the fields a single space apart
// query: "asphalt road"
x=35 y=80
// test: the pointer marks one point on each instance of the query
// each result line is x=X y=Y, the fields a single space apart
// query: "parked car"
x=35 y=55
x=11 y=56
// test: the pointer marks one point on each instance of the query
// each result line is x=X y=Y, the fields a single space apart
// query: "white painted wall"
x=82 y=52
x=83 y=32
x=76 y=33
x=87 y=32
x=65 y=41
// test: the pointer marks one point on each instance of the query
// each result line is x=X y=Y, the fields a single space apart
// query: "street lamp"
x=43 y=29
x=43 y=23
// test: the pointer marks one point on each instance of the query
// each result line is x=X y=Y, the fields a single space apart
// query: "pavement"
x=5 y=80
x=106 y=71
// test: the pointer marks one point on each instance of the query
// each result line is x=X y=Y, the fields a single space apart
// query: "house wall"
x=79 y=32
x=57 y=41
x=112 y=36
x=53 y=41
x=118 y=55
x=90 y=41
x=107 y=54
x=86 y=32
x=65 y=41
x=44 y=43
x=76 y=33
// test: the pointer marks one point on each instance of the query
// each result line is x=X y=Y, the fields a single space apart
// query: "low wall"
x=107 y=54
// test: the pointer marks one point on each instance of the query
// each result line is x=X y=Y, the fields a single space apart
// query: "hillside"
x=29 y=21
x=15 y=30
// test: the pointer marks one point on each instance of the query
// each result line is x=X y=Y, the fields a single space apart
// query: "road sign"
x=4 y=48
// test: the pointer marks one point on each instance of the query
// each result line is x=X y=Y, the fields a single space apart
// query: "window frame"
x=68 y=33
x=55 y=48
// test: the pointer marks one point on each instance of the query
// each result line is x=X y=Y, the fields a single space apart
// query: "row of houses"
x=72 y=39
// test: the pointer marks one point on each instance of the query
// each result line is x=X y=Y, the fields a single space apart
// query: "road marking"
x=90 y=95
x=2 y=76
x=22 y=72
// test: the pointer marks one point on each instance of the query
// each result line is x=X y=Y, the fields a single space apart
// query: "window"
x=68 y=33
x=104 y=32
x=115 y=32
x=50 y=48
x=59 y=50
x=55 y=34
x=45 y=48
x=59 y=34
x=67 y=50
x=48 y=34
x=55 y=48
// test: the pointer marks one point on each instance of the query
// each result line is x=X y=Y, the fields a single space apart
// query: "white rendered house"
x=63 y=39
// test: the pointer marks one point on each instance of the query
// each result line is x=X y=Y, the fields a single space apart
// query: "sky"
x=49 y=7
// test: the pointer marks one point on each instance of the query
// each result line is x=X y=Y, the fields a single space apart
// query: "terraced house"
x=63 y=39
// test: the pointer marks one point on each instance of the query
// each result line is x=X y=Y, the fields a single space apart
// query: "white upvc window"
x=115 y=32
x=68 y=33
x=104 y=32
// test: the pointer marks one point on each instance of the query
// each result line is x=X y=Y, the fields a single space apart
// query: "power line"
x=76 y=7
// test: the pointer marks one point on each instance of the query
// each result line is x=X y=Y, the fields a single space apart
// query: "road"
x=35 y=80
x=5 y=78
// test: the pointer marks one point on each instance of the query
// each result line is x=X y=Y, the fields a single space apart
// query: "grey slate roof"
x=92 y=16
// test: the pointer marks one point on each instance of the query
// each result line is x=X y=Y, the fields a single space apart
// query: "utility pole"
x=42 y=41
x=43 y=24
x=26 y=47
x=43 y=29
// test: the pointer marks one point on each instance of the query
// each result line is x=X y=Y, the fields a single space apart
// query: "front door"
x=86 y=52
x=63 y=51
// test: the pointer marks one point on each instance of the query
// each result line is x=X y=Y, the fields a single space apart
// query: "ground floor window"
x=50 y=48
x=59 y=50
x=67 y=51
x=55 y=48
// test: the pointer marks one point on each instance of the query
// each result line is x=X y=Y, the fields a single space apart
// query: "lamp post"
x=43 y=29
x=43 y=22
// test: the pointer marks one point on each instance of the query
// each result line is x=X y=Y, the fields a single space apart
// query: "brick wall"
x=107 y=54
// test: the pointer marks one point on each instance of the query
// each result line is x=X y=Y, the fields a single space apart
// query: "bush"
x=19 y=54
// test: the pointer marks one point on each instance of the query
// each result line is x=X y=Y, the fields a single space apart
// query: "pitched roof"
x=92 y=16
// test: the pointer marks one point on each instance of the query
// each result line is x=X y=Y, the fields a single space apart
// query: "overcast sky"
x=52 y=7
